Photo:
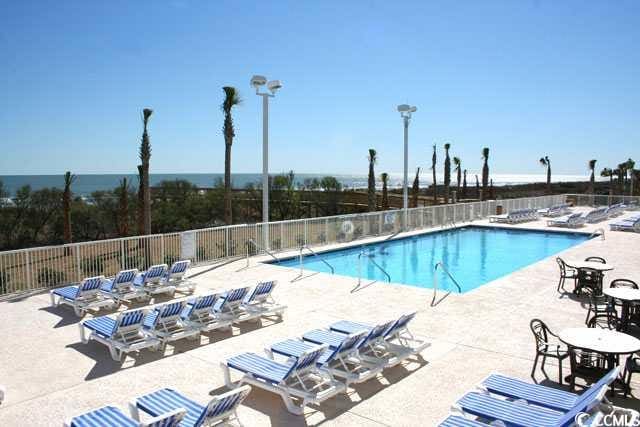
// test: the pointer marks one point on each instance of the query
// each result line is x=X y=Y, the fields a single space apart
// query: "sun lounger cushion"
x=261 y=367
x=167 y=400
x=108 y=416
x=457 y=421
x=534 y=393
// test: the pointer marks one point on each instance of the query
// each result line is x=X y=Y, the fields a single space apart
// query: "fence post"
x=27 y=262
x=305 y=232
x=226 y=242
x=162 y=247
x=77 y=252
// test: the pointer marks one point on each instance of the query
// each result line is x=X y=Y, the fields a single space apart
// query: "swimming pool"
x=473 y=255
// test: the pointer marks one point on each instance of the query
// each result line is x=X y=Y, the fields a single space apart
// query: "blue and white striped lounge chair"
x=153 y=282
x=176 y=277
x=298 y=377
x=82 y=297
x=372 y=348
x=521 y=415
x=165 y=323
x=626 y=225
x=341 y=360
x=595 y=215
x=460 y=421
x=221 y=410
x=110 y=416
x=536 y=394
x=398 y=335
x=570 y=221
x=200 y=314
x=121 y=335
x=259 y=301
x=121 y=287
x=229 y=305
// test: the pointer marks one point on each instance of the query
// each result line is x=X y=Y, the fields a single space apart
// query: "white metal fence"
x=44 y=267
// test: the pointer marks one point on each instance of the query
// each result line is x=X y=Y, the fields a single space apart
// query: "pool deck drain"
x=50 y=375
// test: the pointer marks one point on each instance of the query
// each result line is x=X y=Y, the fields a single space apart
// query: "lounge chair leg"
x=135 y=413
x=227 y=376
x=292 y=407
x=53 y=300
x=78 y=311
x=115 y=355
x=83 y=339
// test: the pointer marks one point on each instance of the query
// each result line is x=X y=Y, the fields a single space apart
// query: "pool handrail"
x=362 y=252
x=258 y=247
x=597 y=232
x=435 y=283
x=321 y=258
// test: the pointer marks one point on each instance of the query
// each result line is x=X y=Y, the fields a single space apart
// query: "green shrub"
x=92 y=266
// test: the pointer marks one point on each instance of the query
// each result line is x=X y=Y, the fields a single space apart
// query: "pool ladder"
x=258 y=248
x=435 y=283
x=375 y=264
x=312 y=252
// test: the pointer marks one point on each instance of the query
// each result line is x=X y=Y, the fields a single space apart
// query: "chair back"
x=377 y=332
x=591 y=279
x=155 y=273
x=89 y=286
x=595 y=259
x=623 y=283
x=308 y=359
x=128 y=321
x=562 y=265
x=123 y=280
x=261 y=292
x=169 y=419
x=222 y=406
x=163 y=314
x=198 y=306
x=232 y=297
x=400 y=324
x=350 y=343
x=586 y=360
x=541 y=334
x=179 y=269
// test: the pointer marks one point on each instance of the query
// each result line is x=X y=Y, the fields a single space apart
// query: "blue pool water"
x=473 y=255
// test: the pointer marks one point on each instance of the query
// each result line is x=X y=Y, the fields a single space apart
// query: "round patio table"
x=611 y=344
x=626 y=296
x=590 y=264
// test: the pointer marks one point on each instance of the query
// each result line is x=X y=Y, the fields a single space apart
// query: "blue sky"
x=525 y=78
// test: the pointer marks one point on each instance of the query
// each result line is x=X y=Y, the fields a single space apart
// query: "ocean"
x=87 y=184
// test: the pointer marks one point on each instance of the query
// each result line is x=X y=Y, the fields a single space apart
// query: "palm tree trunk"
x=464 y=184
x=371 y=188
x=385 y=194
x=548 y=177
x=228 y=212
x=140 y=200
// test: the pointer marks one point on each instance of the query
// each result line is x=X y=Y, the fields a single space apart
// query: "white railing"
x=43 y=267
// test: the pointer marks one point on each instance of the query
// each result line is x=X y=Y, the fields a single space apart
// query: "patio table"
x=626 y=296
x=609 y=343
x=590 y=264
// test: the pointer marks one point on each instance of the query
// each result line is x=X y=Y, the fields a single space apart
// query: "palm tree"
x=458 y=169
x=592 y=178
x=231 y=99
x=145 y=156
x=433 y=169
x=544 y=161
x=415 y=189
x=123 y=208
x=477 y=188
x=630 y=165
x=447 y=172
x=464 y=184
x=140 y=200
x=385 y=195
x=607 y=172
x=621 y=172
x=485 y=172
x=492 y=194
x=66 y=206
x=371 y=187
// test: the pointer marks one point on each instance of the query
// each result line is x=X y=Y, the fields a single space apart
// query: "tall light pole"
x=405 y=112
x=273 y=86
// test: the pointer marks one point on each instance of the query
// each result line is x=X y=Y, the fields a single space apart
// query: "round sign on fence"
x=347 y=227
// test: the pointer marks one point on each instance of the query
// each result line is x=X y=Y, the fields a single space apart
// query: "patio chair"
x=342 y=361
x=221 y=410
x=121 y=287
x=176 y=277
x=517 y=414
x=166 y=324
x=566 y=272
x=545 y=348
x=540 y=395
x=570 y=221
x=200 y=314
x=229 y=305
x=260 y=302
x=602 y=313
x=626 y=224
x=121 y=335
x=398 y=334
x=82 y=297
x=298 y=377
x=373 y=348
x=632 y=366
x=626 y=283
x=110 y=416
x=589 y=279
x=152 y=281
x=588 y=365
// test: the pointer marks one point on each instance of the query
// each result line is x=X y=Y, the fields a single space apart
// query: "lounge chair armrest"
x=155 y=421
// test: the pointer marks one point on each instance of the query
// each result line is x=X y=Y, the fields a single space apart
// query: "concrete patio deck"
x=50 y=376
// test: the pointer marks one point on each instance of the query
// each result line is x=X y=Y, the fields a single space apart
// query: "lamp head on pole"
x=405 y=110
